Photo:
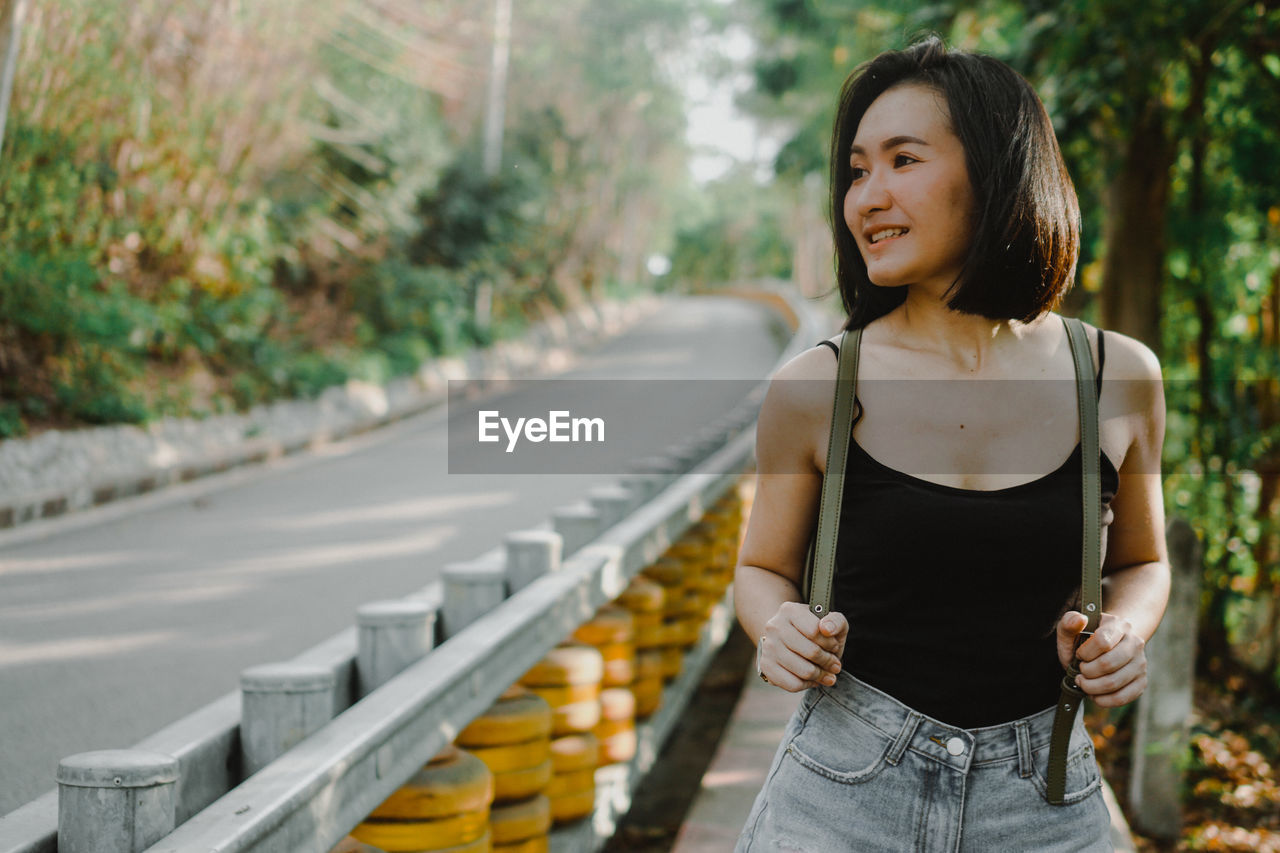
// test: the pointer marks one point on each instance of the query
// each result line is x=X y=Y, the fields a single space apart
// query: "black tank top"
x=912 y=559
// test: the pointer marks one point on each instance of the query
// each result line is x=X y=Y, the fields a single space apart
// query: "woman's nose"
x=871 y=194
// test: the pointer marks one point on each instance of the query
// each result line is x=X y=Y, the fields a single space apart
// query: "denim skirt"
x=858 y=770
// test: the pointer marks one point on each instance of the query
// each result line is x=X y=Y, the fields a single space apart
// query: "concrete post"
x=686 y=454
x=391 y=635
x=1164 y=710
x=470 y=591
x=612 y=502
x=116 y=800
x=280 y=705
x=577 y=525
x=643 y=486
x=665 y=467
x=530 y=555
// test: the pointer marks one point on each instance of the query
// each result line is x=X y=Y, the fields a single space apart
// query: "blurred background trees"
x=207 y=205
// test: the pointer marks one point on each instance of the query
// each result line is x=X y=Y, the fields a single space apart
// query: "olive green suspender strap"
x=820 y=571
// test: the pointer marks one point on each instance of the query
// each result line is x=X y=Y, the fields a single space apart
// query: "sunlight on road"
x=79 y=648
x=355 y=554
x=409 y=510
x=14 y=566
x=181 y=591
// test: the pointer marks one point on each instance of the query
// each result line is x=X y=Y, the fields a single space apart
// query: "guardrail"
x=310 y=796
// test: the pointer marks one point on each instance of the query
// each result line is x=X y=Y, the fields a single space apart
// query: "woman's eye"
x=904 y=159
x=857 y=172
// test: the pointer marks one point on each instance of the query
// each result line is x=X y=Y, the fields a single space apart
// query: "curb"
x=345 y=410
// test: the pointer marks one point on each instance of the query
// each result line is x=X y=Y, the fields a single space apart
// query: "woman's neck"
x=967 y=343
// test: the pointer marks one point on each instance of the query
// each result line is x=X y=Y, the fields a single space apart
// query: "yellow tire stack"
x=708 y=578
x=670 y=573
x=612 y=632
x=513 y=739
x=521 y=826
x=444 y=808
x=645 y=599
x=616 y=730
x=569 y=678
x=726 y=519
x=573 y=788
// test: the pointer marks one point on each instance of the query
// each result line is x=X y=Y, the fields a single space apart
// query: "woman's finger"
x=1115 y=660
x=806 y=648
x=832 y=631
x=802 y=667
x=1118 y=687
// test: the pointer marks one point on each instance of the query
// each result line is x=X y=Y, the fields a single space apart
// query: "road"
x=109 y=632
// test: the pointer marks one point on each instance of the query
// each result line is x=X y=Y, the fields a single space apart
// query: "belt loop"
x=904 y=737
x=1024 y=749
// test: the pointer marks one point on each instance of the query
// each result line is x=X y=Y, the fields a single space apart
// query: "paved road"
x=109 y=632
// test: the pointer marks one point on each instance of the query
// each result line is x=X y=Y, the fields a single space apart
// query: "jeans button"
x=955 y=746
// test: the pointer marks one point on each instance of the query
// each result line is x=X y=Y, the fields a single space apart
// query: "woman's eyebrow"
x=891 y=142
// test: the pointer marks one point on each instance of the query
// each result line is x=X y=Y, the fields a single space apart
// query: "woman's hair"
x=1026 y=219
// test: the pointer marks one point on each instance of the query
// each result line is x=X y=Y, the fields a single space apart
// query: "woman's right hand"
x=799 y=651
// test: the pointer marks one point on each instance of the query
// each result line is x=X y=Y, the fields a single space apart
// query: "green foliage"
x=737 y=234
x=205 y=210
x=400 y=300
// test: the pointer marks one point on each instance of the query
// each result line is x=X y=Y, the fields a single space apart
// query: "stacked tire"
x=573 y=787
x=710 y=568
x=645 y=599
x=669 y=572
x=444 y=808
x=612 y=633
x=521 y=826
x=726 y=519
x=513 y=739
x=569 y=679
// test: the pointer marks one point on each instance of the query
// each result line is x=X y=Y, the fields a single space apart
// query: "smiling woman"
x=931 y=717
x=909 y=202
x=981 y=126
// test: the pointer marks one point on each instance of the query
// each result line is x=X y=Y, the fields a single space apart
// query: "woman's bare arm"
x=796 y=652
x=1135 y=589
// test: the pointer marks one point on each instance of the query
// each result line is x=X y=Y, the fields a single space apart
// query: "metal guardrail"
x=377 y=744
x=310 y=797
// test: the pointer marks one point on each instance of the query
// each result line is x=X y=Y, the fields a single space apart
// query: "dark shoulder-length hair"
x=1026 y=235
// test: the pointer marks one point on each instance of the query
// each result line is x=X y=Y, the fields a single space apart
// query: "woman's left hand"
x=1113 y=662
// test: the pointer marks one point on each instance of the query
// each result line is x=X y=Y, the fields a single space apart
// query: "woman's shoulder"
x=1126 y=357
x=817 y=364
x=1130 y=358
x=800 y=393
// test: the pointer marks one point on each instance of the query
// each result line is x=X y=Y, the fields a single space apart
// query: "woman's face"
x=910 y=204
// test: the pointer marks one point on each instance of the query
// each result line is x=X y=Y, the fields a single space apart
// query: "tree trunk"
x=1137 y=198
x=11 y=14
x=1266 y=551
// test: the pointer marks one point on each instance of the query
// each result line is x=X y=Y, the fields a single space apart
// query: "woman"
x=930 y=686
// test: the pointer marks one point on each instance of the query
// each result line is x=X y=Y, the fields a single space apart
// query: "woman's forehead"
x=906 y=110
